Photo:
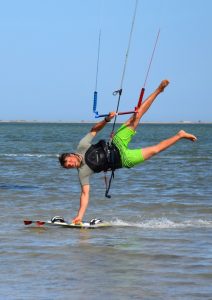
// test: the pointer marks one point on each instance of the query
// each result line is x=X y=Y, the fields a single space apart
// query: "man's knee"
x=133 y=122
x=150 y=151
x=155 y=150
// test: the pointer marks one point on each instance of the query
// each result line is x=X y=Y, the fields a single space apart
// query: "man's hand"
x=111 y=115
x=76 y=220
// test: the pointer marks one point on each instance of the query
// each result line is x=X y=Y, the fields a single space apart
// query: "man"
x=94 y=158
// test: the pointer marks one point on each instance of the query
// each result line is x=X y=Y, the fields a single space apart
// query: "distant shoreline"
x=90 y=122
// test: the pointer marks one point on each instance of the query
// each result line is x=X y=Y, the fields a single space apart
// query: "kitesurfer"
x=89 y=159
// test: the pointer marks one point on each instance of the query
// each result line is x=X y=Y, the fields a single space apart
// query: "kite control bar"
x=118 y=113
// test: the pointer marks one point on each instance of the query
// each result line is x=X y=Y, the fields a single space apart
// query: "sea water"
x=160 y=246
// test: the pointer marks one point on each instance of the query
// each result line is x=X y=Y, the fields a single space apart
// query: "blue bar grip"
x=94 y=101
x=95 y=106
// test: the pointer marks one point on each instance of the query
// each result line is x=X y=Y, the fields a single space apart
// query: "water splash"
x=163 y=223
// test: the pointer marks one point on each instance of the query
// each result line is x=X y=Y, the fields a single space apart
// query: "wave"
x=28 y=155
x=163 y=223
x=17 y=187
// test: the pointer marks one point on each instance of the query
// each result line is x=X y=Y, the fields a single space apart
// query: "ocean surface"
x=160 y=246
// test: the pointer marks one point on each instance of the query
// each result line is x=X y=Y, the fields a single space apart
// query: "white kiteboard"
x=59 y=221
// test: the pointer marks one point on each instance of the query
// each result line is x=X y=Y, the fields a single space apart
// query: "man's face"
x=71 y=162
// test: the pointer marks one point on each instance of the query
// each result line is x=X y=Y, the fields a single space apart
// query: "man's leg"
x=153 y=150
x=135 y=118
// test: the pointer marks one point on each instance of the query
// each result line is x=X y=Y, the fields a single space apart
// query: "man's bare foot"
x=163 y=85
x=186 y=135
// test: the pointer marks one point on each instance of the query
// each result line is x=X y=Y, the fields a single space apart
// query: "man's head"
x=69 y=160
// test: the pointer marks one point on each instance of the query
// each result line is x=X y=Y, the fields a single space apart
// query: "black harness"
x=103 y=157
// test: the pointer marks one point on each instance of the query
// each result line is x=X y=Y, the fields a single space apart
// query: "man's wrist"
x=107 y=119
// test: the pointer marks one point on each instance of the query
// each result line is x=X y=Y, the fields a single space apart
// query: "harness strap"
x=112 y=175
x=108 y=185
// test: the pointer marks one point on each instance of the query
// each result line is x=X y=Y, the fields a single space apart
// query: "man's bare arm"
x=98 y=126
x=84 y=199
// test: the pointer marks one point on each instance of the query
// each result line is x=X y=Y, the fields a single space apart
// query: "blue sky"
x=48 y=58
